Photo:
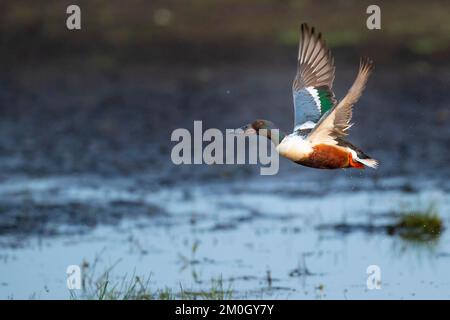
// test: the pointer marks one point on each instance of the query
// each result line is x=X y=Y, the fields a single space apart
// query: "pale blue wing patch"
x=306 y=107
x=311 y=103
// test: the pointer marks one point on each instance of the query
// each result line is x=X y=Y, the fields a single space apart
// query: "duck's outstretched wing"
x=335 y=123
x=312 y=85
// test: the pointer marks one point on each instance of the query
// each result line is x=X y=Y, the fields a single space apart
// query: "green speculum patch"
x=325 y=100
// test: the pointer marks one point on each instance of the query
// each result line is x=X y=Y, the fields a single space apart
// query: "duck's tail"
x=368 y=162
x=360 y=159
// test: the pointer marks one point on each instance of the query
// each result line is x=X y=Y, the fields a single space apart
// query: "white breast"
x=294 y=147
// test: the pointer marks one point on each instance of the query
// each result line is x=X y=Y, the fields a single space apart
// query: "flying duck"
x=321 y=123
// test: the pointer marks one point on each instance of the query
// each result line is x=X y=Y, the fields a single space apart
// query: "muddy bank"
x=72 y=119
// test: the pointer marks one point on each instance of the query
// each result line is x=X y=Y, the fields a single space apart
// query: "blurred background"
x=86 y=175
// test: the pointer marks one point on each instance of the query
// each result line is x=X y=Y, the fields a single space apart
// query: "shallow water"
x=86 y=176
x=244 y=231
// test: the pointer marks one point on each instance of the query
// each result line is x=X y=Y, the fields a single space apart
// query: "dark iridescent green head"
x=256 y=128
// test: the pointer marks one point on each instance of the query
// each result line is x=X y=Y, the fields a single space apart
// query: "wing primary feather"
x=315 y=68
x=337 y=121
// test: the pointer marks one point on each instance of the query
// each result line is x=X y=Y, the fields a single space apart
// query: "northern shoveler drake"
x=321 y=123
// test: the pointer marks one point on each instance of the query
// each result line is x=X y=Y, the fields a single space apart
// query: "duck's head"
x=255 y=127
x=263 y=128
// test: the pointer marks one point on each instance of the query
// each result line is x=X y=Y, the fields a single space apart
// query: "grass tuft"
x=419 y=225
x=139 y=288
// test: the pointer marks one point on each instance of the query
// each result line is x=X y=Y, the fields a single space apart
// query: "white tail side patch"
x=367 y=162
